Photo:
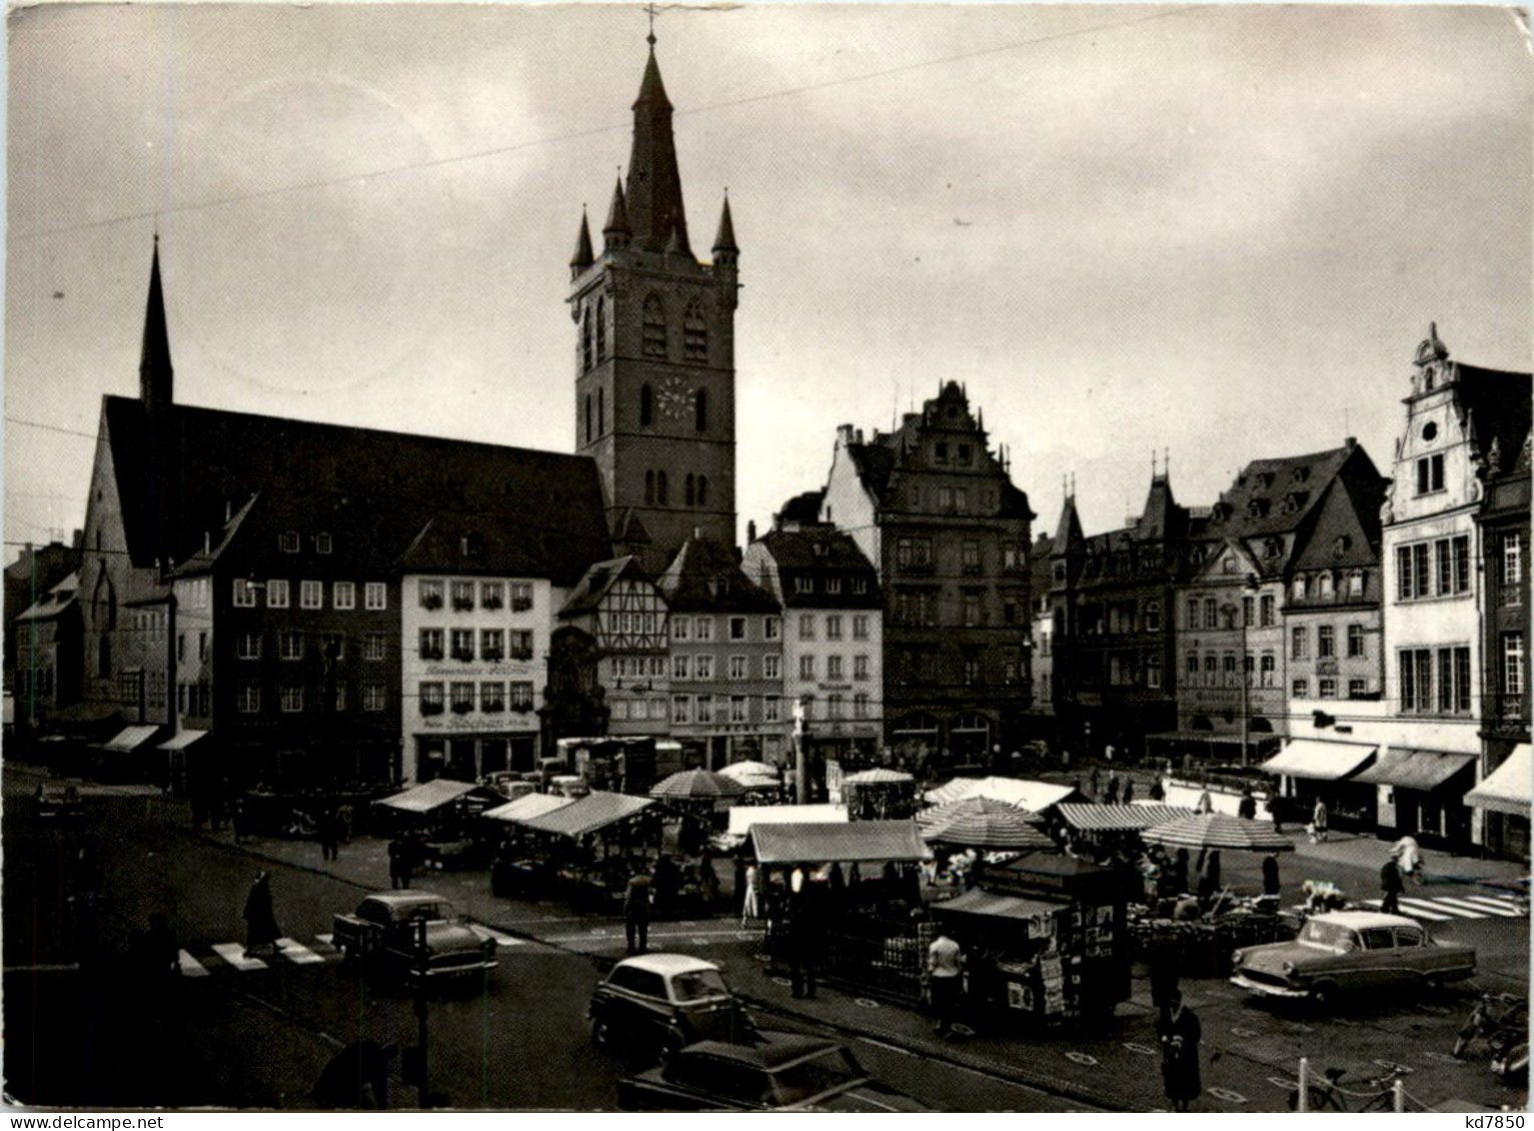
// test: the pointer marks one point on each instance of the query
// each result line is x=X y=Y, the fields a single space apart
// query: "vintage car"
x=384 y=934
x=780 y=1072
x=1344 y=951
x=54 y=801
x=656 y=1003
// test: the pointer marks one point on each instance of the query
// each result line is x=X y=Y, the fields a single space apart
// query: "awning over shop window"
x=1423 y=770
x=1507 y=788
x=425 y=798
x=595 y=811
x=1105 y=818
x=184 y=739
x=1320 y=761
x=527 y=807
x=990 y=905
x=130 y=739
x=743 y=817
x=822 y=843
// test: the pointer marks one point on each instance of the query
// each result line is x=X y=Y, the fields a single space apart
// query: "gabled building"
x=933 y=508
x=726 y=659
x=49 y=658
x=28 y=582
x=833 y=615
x=620 y=609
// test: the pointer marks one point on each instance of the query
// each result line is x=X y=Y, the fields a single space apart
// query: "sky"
x=1218 y=231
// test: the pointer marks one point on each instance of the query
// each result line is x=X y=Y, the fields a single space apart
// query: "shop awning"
x=527 y=807
x=595 y=811
x=743 y=817
x=183 y=739
x=1035 y=796
x=990 y=905
x=823 y=843
x=1319 y=761
x=1507 y=788
x=1113 y=818
x=1423 y=770
x=425 y=798
x=130 y=739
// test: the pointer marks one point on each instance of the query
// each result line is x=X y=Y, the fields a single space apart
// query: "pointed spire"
x=725 y=251
x=583 y=257
x=154 y=368
x=1068 y=533
x=654 y=184
x=616 y=232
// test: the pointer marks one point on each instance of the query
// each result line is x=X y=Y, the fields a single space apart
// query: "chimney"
x=859 y=435
x=751 y=531
x=1350 y=443
x=844 y=435
x=77 y=538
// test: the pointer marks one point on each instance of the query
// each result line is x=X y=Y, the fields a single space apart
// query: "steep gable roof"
x=705 y=577
x=1274 y=496
x=1498 y=403
x=598 y=582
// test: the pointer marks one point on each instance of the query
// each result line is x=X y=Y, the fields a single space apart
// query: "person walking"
x=1112 y=796
x=1318 y=822
x=945 y=964
x=1205 y=803
x=1270 y=886
x=1129 y=790
x=1391 y=886
x=1157 y=791
x=328 y=829
x=1179 y=1032
x=1095 y=780
x=636 y=912
x=805 y=926
x=1276 y=810
x=399 y=863
x=750 y=907
x=261 y=930
x=1246 y=809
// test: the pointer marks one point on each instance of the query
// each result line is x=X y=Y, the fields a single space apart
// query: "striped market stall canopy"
x=1113 y=818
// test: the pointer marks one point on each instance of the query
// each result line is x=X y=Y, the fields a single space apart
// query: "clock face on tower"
x=674 y=399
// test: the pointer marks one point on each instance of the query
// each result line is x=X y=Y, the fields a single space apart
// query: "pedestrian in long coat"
x=1270 y=874
x=1129 y=790
x=1391 y=886
x=261 y=928
x=1179 y=1032
x=1318 y=821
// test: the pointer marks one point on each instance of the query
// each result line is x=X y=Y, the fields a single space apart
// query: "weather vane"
x=652 y=10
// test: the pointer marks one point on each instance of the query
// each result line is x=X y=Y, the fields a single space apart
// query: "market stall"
x=879 y=795
x=592 y=845
x=519 y=868
x=1035 y=796
x=865 y=884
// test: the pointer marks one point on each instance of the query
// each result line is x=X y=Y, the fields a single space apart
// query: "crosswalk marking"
x=1420 y=909
x=234 y=954
x=1443 y=908
x=190 y=967
x=1502 y=906
x=1451 y=902
x=296 y=952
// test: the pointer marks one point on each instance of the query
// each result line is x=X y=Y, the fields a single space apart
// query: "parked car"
x=656 y=1003
x=54 y=801
x=780 y=1072
x=384 y=934
x=1343 y=951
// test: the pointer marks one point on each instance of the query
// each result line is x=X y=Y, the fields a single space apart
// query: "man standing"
x=636 y=912
x=1179 y=1032
x=1390 y=886
x=1318 y=821
x=261 y=928
x=945 y=961
x=1247 y=809
x=1270 y=885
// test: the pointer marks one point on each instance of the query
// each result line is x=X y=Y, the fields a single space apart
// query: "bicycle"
x=1377 y=1094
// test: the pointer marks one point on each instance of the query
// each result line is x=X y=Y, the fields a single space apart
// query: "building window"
x=1326 y=642
x=1211 y=670
x=1192 y=665
x=653 y=340
x=601 y=328
x=492 y=697
x=375 y=596
x=373 y=646
x=277 y=594
x=703 y=708
x=1230 y=669
x=807 y=666
x=1512 y=663
x=1300 y=588
x=969 y=558
x=1325 y=583
x=1327 y=688
x=806 y=626
x=737 y=628
x=703 y=628
x=586 y=352
x=1299 y=644
x=738 y=709
x=431 y=644
x=249 y=701
x=492 y=645
x=344 y=595
x=249 y=646
x=1153 y=671
x=833 y=706
x=971 y=669
x=737 y=667
x=244 y=594
x=646 y=406
x=1357 y=688
x=1266 y=610
x=519 y=643
x=521 y=596
x=1356 y=583
x=1300 y=689
x=681 y=708
x=971 y=610
x=860 y=667
x=373 y=696
x=703 y=667
x=291 y=645
x=772 y=709
x=694 y=333
x=1512 y=562
x=772 y=628
x=1430 y=474
x=462 y=697
x=860 y=626
x=833 y=626
x=772 y=667
x=292 y=700
x=681 y=628
x=804 y=584
x=1355 y=641
x=287 y=542
x=322 y=544
x=311 y=594
x=521 y=696
x=1268 y=664
x=463 y=596
x=1211 y=613
x=1415 y=669
x=430 y=591
x=1193 y=617
x=834 y=669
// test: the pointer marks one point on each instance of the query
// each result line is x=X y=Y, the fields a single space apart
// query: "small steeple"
x=1068 y=533
x=583 y=257
x=654 y=193
x=616 y=232
x=726 y=253
x=155 y=374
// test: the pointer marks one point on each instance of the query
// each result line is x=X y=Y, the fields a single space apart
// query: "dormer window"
x=1265 y=480
x=287 y=542
x=1301 y=474
x=322 y=543
x=804 y=585
x=471 y=545
x=1299 y=588
x=1273 y=547
x=1326 y=586
x=1343 y=545
x=940 y=452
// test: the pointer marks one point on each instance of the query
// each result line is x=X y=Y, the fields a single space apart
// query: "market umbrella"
x=933 y=821
x=745 y=771
x=1218 y=830
x=697 y=785
x=878 y=776
x=996 y=826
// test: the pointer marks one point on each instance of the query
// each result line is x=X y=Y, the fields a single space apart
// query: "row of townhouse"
x=1374 y=626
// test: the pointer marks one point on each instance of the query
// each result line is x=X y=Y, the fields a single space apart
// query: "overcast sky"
x=1216 y=230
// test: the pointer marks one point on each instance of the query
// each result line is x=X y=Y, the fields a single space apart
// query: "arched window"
x=104 y=657
x=601 y=412
x=662 y=495
x=586 y=341
x=703 y=490
x=649 y=487
x=646 y=406
x=700 y=410
x=588 y=418
x=694 y=333
x=653 y=342
x=687 y=491
x=601 y=329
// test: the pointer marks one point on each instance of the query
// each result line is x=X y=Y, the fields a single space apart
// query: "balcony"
x=430 y=708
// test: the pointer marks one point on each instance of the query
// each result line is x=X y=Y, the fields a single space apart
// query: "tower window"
x=649 y=487
x=703 y=490
x=646 y=406
x=662 y=494
x=588 y=418
x=700 y=410
x=687 y=491
x=694 y=333
x=601 y=412
x=601 y=329
x=653 y=343
x=586 y=340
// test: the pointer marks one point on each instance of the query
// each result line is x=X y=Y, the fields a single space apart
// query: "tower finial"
x=650 y=39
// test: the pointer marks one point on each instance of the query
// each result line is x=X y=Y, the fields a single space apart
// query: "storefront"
x=1312 y=770
x=1422 y=793
x=1504 y=799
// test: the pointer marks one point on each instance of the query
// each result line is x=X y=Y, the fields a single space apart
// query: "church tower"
x=655 y=352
